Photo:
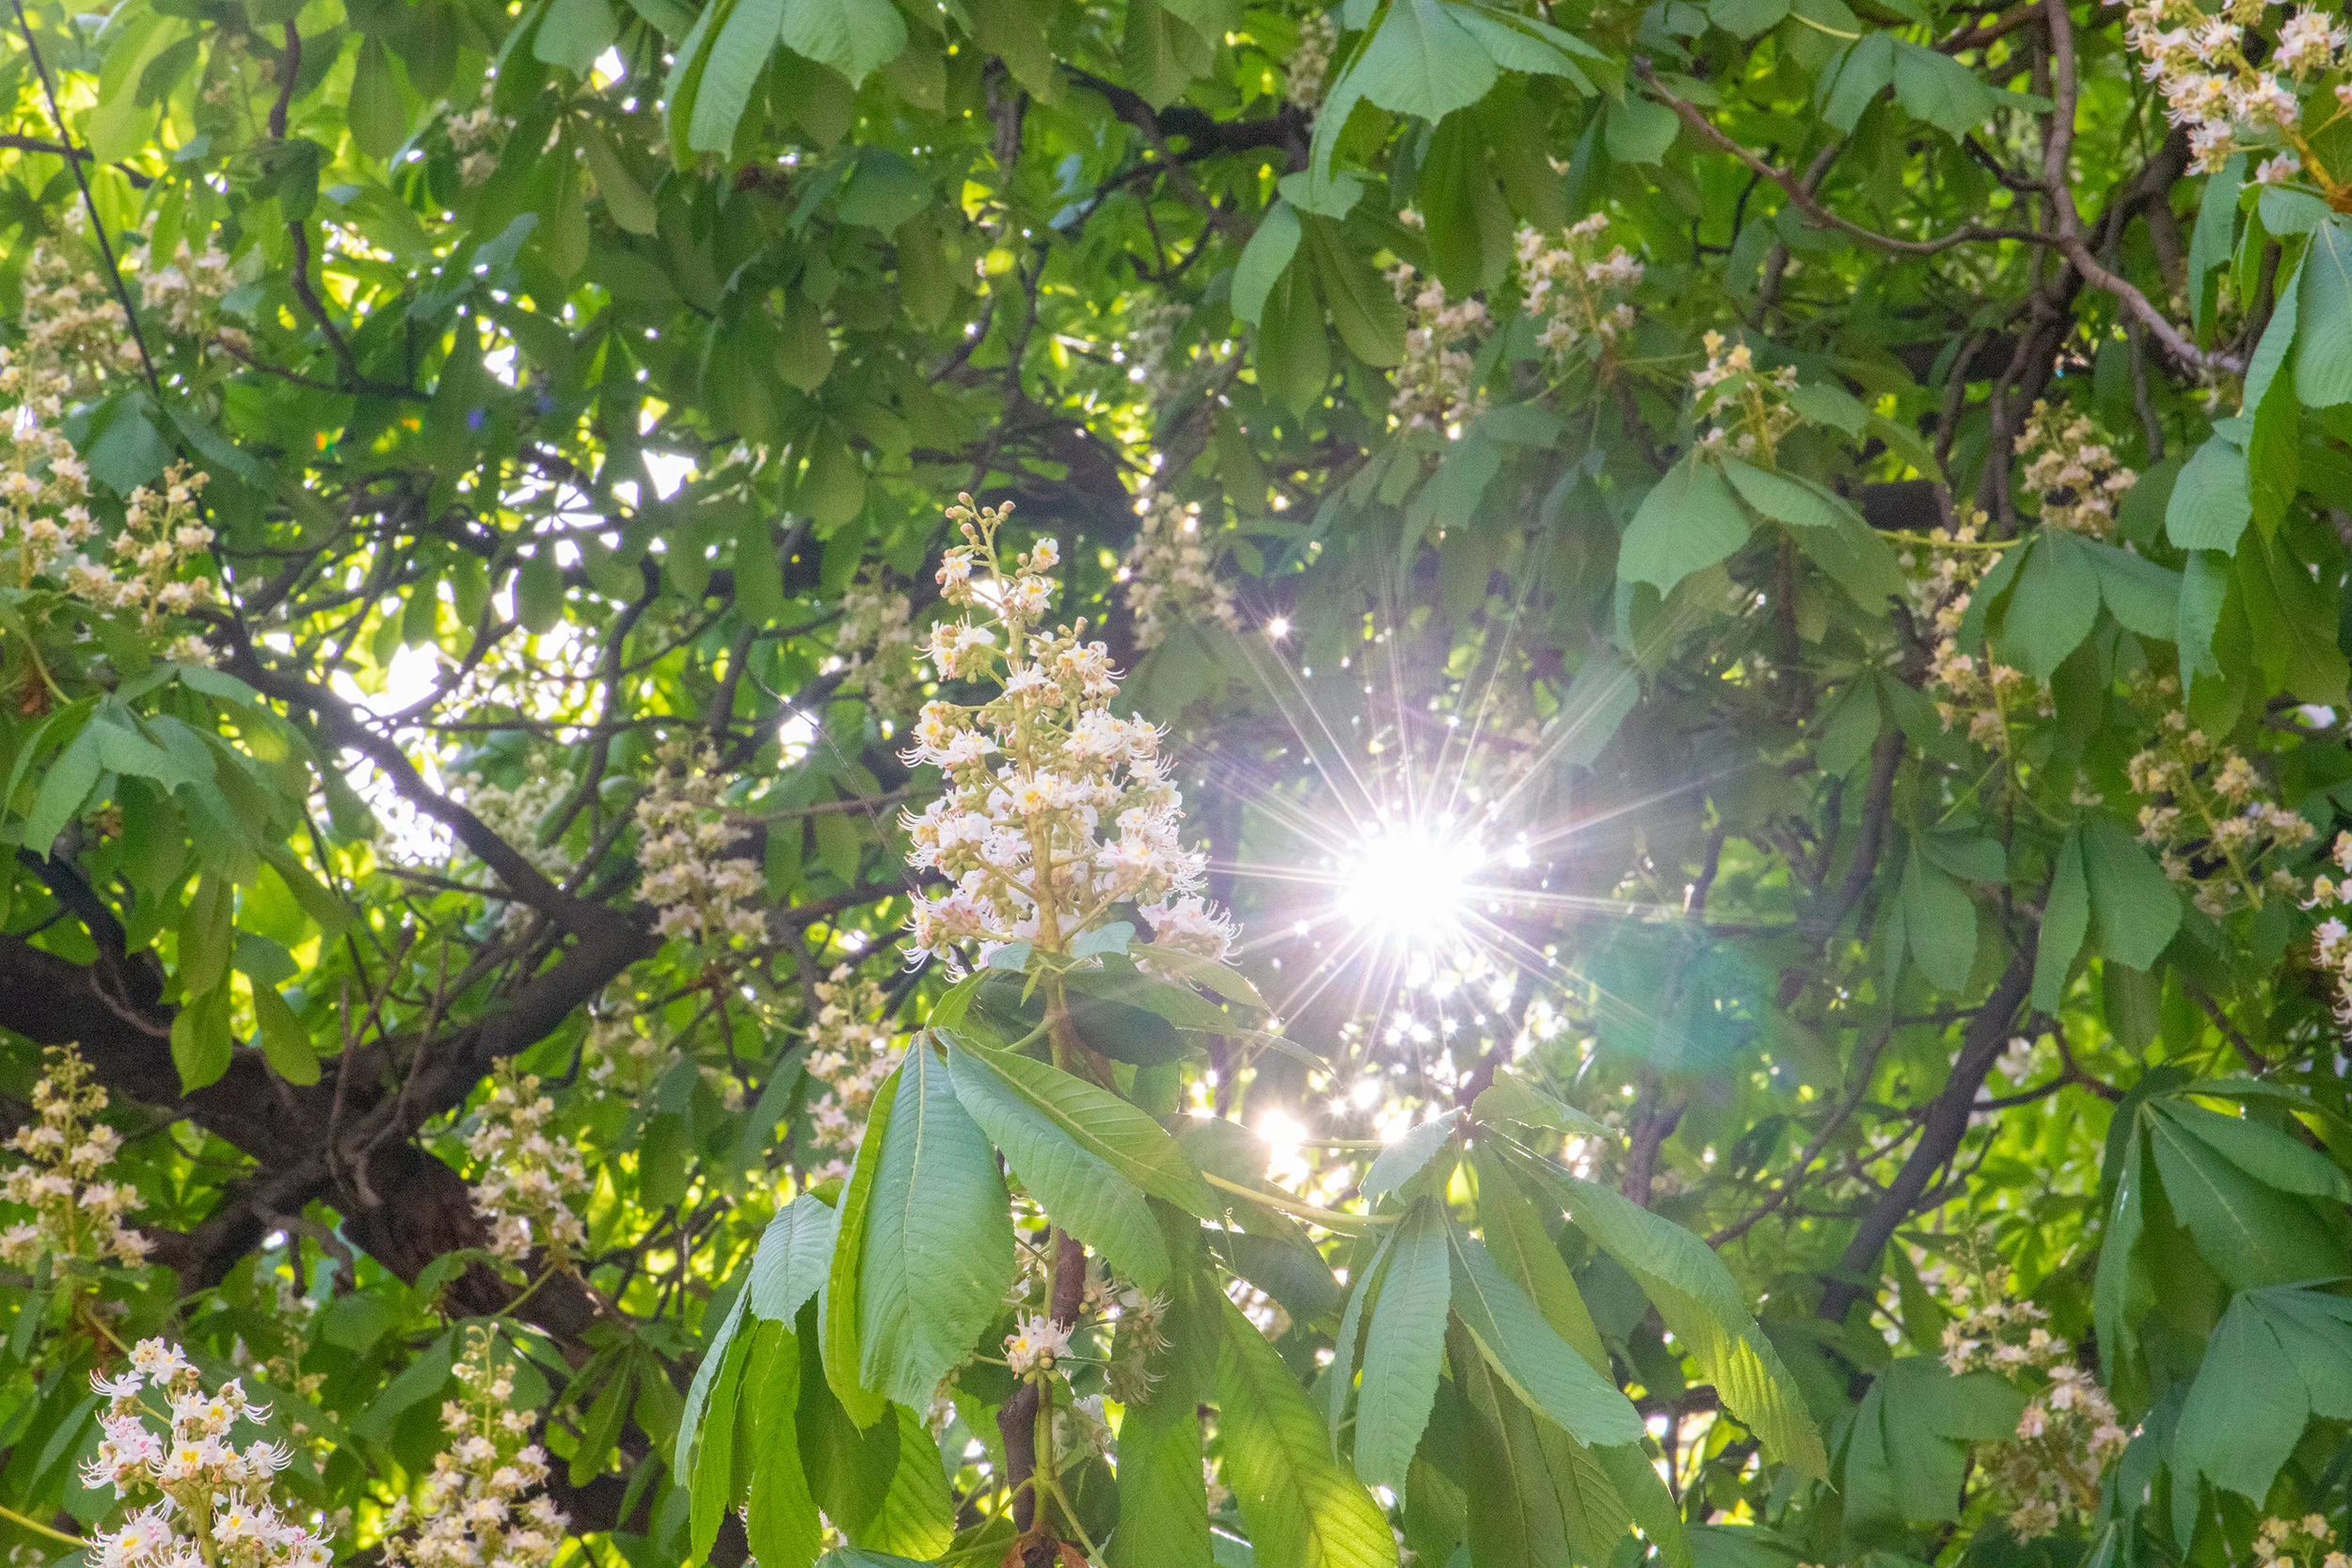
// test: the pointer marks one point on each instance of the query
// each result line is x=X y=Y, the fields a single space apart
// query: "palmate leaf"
x=938 y=1248
x=1702 y=1304
x=1529 y=1355
x=1303 y=1510
x=1083 y=1193
x=1535 y=1496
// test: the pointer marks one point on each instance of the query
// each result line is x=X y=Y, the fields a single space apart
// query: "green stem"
x=12 y=1516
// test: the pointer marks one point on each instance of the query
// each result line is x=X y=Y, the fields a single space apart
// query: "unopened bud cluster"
x=527 y=1180
x=1975 y=693
x=1745 y=408
x=481 y=1507
x=77 y=1211
x=874 y=647
x=2209 y=816
x=852 y=1047
x=2067 y=466
x=1170 y=571
x=477 y=138
x=1055 y=808
x=1302 y=76
x=1434 y=389
x=212 y=1506
x=2069 y=1433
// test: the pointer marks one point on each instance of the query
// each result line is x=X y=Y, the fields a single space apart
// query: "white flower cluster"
x=1303 y=74
x=1433 y=385
x=163 y=533
x=42 y=482
x=852 y=1048
x=2070 y=468
x=75 y=332
x=2305 y=1542
x=2069 y=1432
x=213 y=1508
x=1747 y=409
x=517 y=815
x=185 y=295
x=479 y=1508
x=697 y=889
x=527 y=1180
x=1974 y=694
x=2331 y=942
x=1170 y=571
x=477 y=137
x=77 y=1213
x=1036 y=1342
x=874 y=646
x=2199 y=63
x=1023 y=838
x=1573 y=289
x=2208 y=817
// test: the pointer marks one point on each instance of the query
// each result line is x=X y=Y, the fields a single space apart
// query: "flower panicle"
x=1056 y=808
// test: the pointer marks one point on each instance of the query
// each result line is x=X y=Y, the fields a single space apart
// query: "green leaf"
x=780 y=1519
x=1403 y=1346
x=2252 y=1235
x=1408 y=1154
x=625 y=199
x=1511 y=1097
x=1866 y=71
x=2132 y=901
x=1102 y=1126
x=1907 y=1455
x=1302 y=1508
x=572 y=33
x=378 y=118
x=1782 y=499
x=855 y=37
x=2211 y=501
x=1292 y=354
x=2054 y=605
x=1941 y=90
x=1163 y=1495
x=1854 y=556
x=1689 y=520
x=2265 y=1153
x=1083 y=1192
x=1939 y=922
x=698 y=1393
x=64 y=785
x=712 y=1489
x=938 y=1250
x=739 y=53
x=2141 y=595
x=200 y=1045
x=2215 y=236
x=1637 y=130
x=842 y=1312
x=2251 y=1398
x=1423 y=61
x=1744 y=19
x=2065 y=922
x=2322 y=361
x=1363 y=306
x=794 y=1254
x=1520 y=1244
x=1703 y=1304
x=1536 y=1498
x=1529 y=1355
x=285 y=1043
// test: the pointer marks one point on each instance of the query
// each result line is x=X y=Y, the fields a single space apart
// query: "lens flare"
x=1410 y=884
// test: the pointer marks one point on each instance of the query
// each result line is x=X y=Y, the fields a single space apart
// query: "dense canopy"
x=1172 y=782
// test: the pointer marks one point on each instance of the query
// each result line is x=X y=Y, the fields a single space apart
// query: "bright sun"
x=1406 y=884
